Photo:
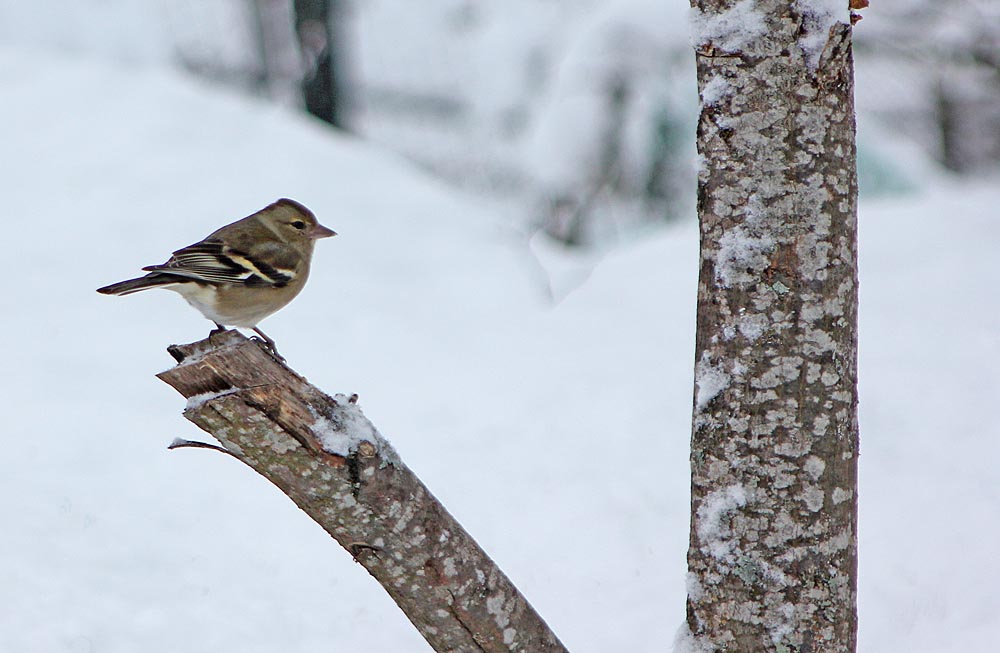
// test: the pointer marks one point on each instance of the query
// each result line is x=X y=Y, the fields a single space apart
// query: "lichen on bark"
x=325 y=455
x=773 y=551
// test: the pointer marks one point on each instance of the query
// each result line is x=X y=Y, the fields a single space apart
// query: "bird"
x=243 y=272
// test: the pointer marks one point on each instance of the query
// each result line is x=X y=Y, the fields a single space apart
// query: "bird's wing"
x=212 y=261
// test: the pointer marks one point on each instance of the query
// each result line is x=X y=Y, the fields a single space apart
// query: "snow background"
x=557 y=433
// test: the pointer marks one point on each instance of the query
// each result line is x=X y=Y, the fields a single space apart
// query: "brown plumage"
x=243 y=272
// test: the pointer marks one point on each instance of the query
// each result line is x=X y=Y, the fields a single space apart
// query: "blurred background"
x=576 y=114
x=512 y=296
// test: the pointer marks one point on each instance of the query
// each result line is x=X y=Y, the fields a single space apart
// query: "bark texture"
x=328 y=458
x=773 y=549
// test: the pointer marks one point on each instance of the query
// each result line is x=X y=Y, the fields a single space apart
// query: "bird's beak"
x=319 y=231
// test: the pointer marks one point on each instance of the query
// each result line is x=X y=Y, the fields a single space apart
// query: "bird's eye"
x=298 y=224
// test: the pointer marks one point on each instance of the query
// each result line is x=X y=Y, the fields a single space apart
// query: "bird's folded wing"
x=214 y=262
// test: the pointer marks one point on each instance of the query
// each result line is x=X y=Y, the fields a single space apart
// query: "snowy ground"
x=557 y=435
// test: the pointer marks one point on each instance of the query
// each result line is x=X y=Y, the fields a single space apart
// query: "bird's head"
x=293 y=222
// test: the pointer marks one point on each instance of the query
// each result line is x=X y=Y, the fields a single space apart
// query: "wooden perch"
x=328 y=458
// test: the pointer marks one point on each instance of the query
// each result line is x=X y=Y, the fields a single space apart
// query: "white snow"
x=743 y=253
x=729 y=31
x=197 y=401
x=633 y=45
x=431 y=313
x=335 y=440
x=716 y=90
x=735 y=29
x=710 y=379
x=341 y=433
x=686 y=642
x=818 y=16
x=740 y=250
x=714 y=533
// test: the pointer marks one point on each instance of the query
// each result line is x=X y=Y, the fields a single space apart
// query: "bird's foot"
x=268 y=344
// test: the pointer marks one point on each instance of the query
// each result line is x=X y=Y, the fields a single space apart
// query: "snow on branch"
x=332 y=462
x=730 y=30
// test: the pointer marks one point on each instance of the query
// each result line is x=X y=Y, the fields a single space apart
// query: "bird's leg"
x=219 y=329
x=270 y=344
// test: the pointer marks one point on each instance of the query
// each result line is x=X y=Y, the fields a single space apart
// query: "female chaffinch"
x=243 y=272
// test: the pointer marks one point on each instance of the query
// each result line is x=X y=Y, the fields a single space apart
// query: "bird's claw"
x=269 y=346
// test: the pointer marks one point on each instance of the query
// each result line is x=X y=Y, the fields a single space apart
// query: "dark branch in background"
x=328 y=458
x=319 y=31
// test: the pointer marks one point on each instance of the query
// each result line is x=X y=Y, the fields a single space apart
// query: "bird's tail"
x=153 y=280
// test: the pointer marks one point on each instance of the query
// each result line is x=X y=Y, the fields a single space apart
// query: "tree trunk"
x=328 y=458
x=773 y=547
